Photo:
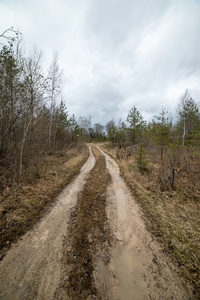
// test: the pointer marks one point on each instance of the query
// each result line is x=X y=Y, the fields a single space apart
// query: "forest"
x=163 y=156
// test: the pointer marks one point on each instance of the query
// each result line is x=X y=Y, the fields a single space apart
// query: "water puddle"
x=119 y=189
x=130 y=272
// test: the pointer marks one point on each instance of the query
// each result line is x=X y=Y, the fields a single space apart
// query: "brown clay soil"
x=92 y=244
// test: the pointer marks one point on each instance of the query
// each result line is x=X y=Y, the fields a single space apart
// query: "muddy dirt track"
x=92 y=244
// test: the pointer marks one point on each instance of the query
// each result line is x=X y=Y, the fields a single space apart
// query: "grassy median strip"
x=88 y=232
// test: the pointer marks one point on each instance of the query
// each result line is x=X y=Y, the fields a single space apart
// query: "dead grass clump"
x=88 y=232
x=21 y=208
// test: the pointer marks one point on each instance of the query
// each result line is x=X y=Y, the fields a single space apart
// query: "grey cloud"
x=115 y=53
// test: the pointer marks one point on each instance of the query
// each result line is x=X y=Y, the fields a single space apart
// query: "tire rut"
x=31 y=268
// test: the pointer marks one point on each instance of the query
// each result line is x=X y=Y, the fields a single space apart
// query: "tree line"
x=161 y=130
x=174 y=147
x=34 y=120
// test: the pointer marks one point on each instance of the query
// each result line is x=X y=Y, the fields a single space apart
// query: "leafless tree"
x=188 y=114
x=54 y=83
x=85 y=124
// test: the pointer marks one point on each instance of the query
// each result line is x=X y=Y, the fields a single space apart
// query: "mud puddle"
x=130 y=272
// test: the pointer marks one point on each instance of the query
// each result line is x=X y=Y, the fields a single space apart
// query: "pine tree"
x=162 y=130
x=135 y=120
x=141 y=160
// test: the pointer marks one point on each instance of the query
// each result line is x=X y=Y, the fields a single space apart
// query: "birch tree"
x=188 y=116
x=54 y=82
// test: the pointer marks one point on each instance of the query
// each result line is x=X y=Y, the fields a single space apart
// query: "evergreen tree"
x=10 y=102
x=162 y=131
x=135 y=120
x=141 y=160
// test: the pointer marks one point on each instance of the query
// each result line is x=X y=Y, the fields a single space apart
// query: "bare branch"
x=9 y=38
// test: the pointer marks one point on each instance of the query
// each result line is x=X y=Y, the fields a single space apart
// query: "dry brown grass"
x=173 y=216
x=20 y=209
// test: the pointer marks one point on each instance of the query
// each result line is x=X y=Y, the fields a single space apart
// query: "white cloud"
x=117 y=53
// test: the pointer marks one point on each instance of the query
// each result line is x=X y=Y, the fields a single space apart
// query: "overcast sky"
x=115 y=53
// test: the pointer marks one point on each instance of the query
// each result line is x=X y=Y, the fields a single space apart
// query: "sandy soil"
x=134 y=268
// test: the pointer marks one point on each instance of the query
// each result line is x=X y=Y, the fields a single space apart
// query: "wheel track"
x=31 y=269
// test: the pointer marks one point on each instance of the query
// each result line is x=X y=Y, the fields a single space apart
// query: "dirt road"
x=130 y=265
